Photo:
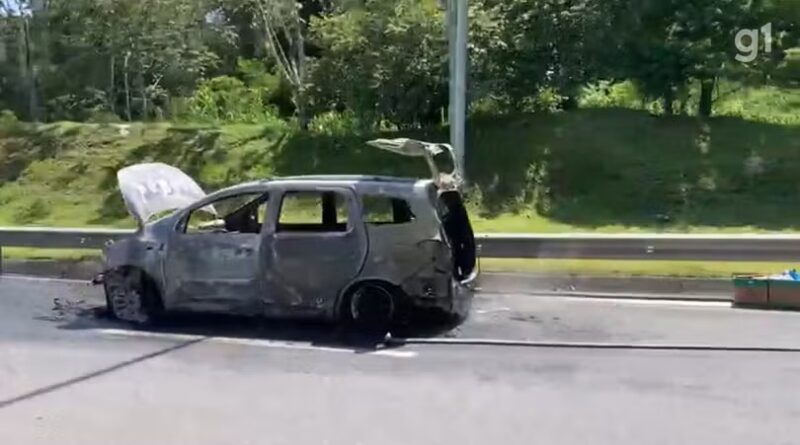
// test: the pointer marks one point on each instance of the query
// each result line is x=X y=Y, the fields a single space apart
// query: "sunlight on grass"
x=689 y=269
x=27 y=253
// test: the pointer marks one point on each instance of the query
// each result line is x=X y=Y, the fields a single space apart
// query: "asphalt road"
x=69 y=377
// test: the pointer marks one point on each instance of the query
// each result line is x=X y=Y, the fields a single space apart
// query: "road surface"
x=69 y=377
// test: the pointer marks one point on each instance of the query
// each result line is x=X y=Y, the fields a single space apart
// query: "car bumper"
x=450 y=296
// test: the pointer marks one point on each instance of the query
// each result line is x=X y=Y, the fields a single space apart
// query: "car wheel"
x=128 y=298
x=372 y=307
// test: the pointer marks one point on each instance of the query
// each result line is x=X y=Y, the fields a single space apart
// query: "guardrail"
x=60 y=238
x=640 y=247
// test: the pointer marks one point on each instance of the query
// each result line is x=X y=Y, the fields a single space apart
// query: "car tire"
x=371 y=308
x=129 y=297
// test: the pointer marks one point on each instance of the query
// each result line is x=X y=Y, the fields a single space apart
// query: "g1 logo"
x=748 y=43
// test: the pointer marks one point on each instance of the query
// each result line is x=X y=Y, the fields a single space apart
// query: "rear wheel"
x=371 y=307
x=130 y=296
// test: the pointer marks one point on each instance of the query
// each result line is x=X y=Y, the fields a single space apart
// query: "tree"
x=153 y=48
x=22 y=23
x=668 y=43
x=385 y=61
x=284 y=35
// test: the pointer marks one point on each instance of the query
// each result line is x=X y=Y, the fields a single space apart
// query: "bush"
x=275 y=90
x=103 y=117
x=789 y=70
x=9 y=124
x=332 y=123
x=77 y=106
x=32 y=211
x=227 y=99
x=605 y=94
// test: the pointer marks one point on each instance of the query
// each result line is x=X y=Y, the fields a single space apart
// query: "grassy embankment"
x=603 y=170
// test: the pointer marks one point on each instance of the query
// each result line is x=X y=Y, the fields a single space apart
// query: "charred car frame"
x=345 y=248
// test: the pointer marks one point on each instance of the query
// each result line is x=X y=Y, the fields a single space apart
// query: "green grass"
x=686 y=269
x=593 y=170
x=24 y=253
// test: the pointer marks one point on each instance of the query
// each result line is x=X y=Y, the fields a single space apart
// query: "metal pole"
x=457 y=35
x=452 y=22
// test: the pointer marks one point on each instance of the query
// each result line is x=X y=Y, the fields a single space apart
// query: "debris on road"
x=779 y=291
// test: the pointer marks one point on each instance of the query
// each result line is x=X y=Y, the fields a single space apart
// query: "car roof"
x=358 y=180
x=347 y=178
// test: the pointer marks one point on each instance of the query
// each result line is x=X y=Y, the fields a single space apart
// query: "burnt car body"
x=347 y=248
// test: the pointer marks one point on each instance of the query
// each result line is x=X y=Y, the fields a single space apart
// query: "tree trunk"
x=300 y=89
x=707 y=97
x=30 y=72
x=143 y=90
x=669 y=102
x=127 y=87
x=112 y=96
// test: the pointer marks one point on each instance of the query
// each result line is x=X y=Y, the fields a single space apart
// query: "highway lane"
x=67 y=376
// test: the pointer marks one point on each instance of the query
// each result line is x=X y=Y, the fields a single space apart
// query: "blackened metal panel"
x=307 y=271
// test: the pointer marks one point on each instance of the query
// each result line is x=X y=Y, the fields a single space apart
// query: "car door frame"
x=278 y=302
x=246 y=303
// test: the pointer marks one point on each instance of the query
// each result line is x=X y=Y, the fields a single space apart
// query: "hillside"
x=601 y=169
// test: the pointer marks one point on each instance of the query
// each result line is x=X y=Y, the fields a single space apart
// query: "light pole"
x=457 y=111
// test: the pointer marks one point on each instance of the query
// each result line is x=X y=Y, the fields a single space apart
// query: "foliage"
x=385 y=63
x=383 y=60
x=9 y=124
x=604 y=169
x=524 y=46
x=136 y=54
x=669 y=43
x=332 y=123
x=227 y=99
x=605 y=94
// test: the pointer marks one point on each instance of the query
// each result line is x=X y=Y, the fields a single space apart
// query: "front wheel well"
x=149 y=284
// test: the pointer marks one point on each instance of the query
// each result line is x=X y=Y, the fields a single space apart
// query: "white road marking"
x=44 y=279
x=646 y=302
x=491 y=311
x=263 y=343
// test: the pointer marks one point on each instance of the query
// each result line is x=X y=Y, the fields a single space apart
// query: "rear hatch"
x=440 y=159
x=445 y=197
x=458 y=233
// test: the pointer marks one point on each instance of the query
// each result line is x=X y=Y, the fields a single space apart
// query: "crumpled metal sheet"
x=150 y=189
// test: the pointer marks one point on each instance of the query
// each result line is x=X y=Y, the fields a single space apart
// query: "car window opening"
x=313 y=212
x=382 y=210
x=240 y=214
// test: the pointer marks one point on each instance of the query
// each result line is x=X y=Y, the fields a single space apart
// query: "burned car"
x=345 y=248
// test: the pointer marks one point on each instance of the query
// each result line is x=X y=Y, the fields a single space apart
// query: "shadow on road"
x=81 y=316
x=419 y=324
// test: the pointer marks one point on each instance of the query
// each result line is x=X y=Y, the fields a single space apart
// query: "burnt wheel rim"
x=372 y=306
x=126 y=301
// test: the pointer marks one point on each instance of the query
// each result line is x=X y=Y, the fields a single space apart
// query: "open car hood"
x=150 y=189
x=408 y=147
